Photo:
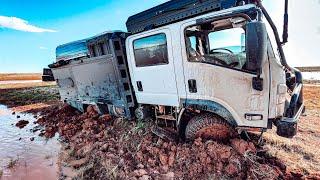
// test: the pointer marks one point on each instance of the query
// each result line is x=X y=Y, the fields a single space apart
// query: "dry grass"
x=301 y=153
x=34 y=106
x=12 y=163
x=20 y=76
x=26 y=85
x=29 y=98
x=312 y=97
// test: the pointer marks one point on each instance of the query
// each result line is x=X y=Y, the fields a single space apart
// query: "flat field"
x=22 y=80
x=19 y=76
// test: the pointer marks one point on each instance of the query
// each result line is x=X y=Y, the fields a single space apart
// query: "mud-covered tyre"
x=209 y=126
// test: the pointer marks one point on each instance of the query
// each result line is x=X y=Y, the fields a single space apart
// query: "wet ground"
x=23 y=154
x=311 y=75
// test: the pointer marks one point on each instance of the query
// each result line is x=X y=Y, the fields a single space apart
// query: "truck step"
x=166 y=117
x=165 y=134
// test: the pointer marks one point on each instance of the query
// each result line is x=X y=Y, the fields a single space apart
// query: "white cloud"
x=21 y=25
x=43 y=48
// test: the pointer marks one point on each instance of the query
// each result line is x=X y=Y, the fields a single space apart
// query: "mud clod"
x=78 y=163
x=140 y=172
x=242 y=146
x=22 y=123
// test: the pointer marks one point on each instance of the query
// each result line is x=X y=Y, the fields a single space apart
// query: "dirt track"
x=106 y=148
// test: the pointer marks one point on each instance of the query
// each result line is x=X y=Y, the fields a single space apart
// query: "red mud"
x=22 y=123
x=109 y=148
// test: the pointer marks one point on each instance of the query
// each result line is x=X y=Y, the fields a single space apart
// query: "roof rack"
x=177 y=10
x=79 y=49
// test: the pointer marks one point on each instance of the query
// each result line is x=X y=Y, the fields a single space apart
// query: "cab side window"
x=220 y=42
x=151 y=50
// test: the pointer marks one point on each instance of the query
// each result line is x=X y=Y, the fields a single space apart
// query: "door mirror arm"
x=257 y=83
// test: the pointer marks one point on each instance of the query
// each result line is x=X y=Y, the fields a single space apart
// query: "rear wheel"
x=209 y=126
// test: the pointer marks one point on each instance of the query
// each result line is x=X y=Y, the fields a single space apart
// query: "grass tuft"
x=12 y=163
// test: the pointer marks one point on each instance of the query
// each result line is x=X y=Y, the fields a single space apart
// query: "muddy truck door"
x=151 y=67
x=216 y=76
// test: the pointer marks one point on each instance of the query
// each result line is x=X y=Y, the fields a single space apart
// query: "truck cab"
x=222 y=63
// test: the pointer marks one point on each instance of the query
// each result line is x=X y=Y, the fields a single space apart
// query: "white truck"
x=204 y=68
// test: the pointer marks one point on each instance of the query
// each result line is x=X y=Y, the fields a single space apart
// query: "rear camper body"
x=93 y=71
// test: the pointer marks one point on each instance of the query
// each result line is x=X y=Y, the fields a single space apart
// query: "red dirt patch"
x=123 y=149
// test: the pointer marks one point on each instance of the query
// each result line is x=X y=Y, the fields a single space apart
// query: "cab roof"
x=177 y=10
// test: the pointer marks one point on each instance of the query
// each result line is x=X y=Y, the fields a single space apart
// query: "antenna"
x=285 y=23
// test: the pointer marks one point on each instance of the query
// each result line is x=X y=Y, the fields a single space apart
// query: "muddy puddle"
x=23 y=154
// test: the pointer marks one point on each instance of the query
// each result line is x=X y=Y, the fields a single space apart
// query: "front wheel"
x=209 y=126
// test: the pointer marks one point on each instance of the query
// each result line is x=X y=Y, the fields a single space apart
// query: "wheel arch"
x=207 y=106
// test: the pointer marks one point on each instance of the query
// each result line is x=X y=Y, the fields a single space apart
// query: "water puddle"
x=311 y=75
x=23 y=154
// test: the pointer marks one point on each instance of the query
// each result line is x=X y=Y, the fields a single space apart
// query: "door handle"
x=139 y=85
x=192 y=86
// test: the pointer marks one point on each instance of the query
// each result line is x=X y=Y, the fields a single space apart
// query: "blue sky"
x=47 y=24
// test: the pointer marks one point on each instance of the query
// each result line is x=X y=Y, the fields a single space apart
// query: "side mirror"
x=256 y=45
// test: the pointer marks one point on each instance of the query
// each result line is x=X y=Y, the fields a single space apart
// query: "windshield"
x=219 y=42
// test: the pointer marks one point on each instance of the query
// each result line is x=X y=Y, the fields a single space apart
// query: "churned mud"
x=92 y=146
x=103 y=147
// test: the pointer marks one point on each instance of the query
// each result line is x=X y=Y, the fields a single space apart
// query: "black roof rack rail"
x=176 y=10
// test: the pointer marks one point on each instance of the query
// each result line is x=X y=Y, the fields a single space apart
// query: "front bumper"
x=288 y=125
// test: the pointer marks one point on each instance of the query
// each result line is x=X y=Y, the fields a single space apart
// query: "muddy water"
x=21 y=158
x=311 y=75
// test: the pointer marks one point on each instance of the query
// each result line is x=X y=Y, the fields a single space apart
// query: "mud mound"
x=106 y=148
x=22 y=123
